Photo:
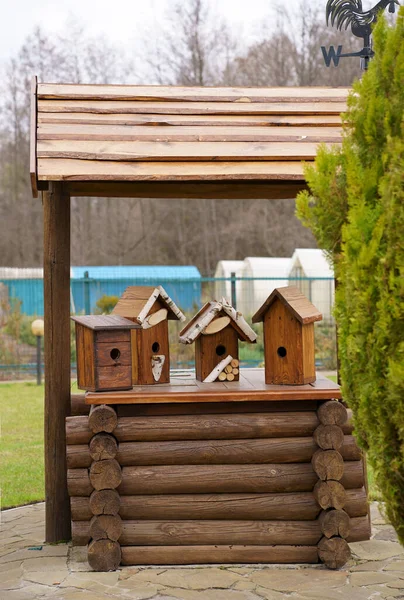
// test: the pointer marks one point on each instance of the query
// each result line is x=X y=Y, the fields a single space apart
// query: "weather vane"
x=343 y=13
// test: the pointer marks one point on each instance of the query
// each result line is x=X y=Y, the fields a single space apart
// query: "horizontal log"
x=193 y=532
x=332 y=412
x=329 y=437
x=177 y=533
x=334 y=522
x=217 y=479
x=77 y=430
x=334 y=552
x=360 y=529
x=328 y=464
x=292 y=506
x=191 y=555
x=189 y=479
x=103 y=446
x=102 y=418
x=104 y=555
x=187 y=408
x=78 y=482
x=106 y=527
x=102 y=502
x=225 y=426
x=212 y=451
x=105 y=474
x=78 y=405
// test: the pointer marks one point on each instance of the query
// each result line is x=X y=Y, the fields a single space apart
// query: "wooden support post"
x=56 y=204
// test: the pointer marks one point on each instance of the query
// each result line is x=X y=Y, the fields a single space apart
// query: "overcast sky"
x=121 y=20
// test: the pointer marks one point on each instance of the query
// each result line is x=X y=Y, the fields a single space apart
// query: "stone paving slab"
x=32 y=570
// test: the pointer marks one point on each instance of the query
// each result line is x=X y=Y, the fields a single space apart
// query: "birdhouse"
x=216 y=330
x=288 y=318
x=103 y=352
x=150 y=308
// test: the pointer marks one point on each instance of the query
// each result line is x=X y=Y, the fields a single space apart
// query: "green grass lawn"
x=21 y=445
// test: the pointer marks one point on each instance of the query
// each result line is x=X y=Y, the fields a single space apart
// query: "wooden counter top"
x=251 y=387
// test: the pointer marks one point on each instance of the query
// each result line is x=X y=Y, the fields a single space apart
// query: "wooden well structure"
x=171 y=142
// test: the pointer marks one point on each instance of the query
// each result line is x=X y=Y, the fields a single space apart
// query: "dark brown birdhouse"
x=150 y=308
x=103 y=352
x=288 y=318
x=216 y=330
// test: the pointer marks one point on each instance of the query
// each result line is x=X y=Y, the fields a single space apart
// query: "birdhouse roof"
x=295 y=301
x=137 y=301
x=105 y=322
x=208 y=313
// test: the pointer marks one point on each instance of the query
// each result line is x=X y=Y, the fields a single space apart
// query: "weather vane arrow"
x=342 y=13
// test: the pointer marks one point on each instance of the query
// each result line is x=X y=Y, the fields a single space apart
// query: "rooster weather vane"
x=343 y=13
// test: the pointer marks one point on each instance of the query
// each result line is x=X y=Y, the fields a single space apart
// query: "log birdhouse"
x=288 y=318
x=104 y=352
x=216 y=330
x=150 y=308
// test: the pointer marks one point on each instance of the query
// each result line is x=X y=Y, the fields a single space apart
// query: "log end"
x=104 y=555
x=334 y=552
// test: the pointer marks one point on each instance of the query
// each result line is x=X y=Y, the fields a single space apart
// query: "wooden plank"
x=297 y=506
x=178 y=189
x=188 y=134
x=186 y=532
x=333 y=121
x=192 y=108
x=176 y=151
x=79 y=170
x=33 y=138
x=190 y=555
x=57 y=359
x=190 y=94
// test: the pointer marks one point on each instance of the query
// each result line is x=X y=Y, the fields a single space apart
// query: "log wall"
x=170 y=484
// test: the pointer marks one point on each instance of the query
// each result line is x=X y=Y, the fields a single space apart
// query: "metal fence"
x=17 y=349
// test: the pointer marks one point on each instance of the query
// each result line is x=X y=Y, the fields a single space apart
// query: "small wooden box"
x=104 y=356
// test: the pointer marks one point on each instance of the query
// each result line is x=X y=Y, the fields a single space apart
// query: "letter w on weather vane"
x=341 y=14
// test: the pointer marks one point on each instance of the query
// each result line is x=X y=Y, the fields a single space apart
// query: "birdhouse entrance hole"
x=115 y=353
x=220 y=350
x=282 y=351
x=155 y=347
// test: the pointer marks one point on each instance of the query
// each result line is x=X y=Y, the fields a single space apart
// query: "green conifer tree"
x=355 y=208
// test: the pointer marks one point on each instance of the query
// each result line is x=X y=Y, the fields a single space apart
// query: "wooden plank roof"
x=121 y=133
x=105 y=322
x=295 y=301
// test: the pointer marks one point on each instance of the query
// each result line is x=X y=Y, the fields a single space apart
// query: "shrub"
x=355 y=209
x=106 y=304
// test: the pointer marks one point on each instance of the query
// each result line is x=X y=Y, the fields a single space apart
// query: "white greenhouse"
x=261 y=275
x=311 y=272
x=224 y=269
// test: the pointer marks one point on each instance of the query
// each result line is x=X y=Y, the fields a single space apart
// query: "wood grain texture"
x=56 y=207
x=334 y=522
x=190 y=94
x=332 y=413
x=103 y=446
x=226 y=426
x=176 y=151
x=190 y=555
x=106 y=527
x=203 y=479
x=155 y=120
x=328 y=464
x=242 y=451
x=104 y=555
x=102 y=106
x=206 y=357
x=105 y=474
x=188 y=533
x=334 y=552
x=330 y=494
x=102 y=418
x=253 y=506
x=329 y=437
x=159 y=134
x=251 y=387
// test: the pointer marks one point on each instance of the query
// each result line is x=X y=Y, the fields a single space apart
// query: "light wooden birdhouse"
x=288 y=318
x=150 y=308
x=216 y=330
x=104 y=352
